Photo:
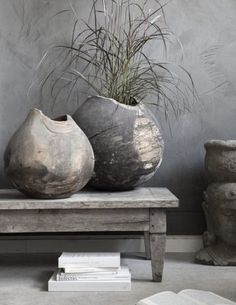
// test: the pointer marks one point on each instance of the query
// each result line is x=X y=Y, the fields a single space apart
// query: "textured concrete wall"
x=206 y=29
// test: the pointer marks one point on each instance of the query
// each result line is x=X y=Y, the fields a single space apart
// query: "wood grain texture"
x=157 y=221
x=139 y=198
x=157 y=245
x=147 y=245
x=73 y=220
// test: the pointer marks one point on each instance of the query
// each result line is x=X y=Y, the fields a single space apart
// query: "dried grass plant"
x=110 y=53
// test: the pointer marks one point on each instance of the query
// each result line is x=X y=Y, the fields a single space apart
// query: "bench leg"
x=157 y=242
x=157 y=246
x=147 y=245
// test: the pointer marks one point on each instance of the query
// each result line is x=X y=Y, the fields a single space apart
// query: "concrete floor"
x=23 y=281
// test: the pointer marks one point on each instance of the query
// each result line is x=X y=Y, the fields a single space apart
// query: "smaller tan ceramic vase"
x=49 y=158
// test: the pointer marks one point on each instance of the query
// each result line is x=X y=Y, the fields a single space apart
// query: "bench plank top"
x=145 y=197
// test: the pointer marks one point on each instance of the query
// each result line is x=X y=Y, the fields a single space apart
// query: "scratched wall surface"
x=207 y=30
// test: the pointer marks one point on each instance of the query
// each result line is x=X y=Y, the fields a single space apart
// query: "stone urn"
x=48 y=158
x=126 y=140
x=220 y=205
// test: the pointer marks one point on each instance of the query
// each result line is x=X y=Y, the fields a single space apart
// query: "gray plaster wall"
x=207 y=30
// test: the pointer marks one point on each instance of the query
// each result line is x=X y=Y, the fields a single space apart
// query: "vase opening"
x=63 y=123
x=133 y=101
x=62 y=118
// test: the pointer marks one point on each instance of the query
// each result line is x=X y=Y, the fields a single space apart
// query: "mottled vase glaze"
x=49 y=158
x=126 y=140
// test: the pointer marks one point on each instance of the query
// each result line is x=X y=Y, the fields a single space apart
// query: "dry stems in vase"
x=110 y=54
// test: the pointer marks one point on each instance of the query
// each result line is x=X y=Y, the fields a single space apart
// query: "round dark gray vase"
x=49 y=158
x=126 y=140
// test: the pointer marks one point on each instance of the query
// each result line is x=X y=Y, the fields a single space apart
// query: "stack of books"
x=90 y=272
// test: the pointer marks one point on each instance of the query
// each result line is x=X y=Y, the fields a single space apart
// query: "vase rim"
x=55 y=125
x=130 y=107
x=221 y=144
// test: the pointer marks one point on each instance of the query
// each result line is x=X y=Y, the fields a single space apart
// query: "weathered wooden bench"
x=140 y=210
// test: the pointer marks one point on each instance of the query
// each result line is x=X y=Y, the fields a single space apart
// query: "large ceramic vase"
x=49 y=158
x=220 y=205
x=126 y=140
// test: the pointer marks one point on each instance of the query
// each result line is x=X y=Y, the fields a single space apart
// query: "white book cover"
x=89 y=259
x=62 y=286
x=165 y=298
x=186 y=297
x=123 y=273
x=205 y=297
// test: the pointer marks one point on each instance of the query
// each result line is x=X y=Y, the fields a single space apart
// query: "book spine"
x=89 y=274
x=89 y=286
x=91 y=270
x=88 y=279
x=90 y=262
x=96 y=264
